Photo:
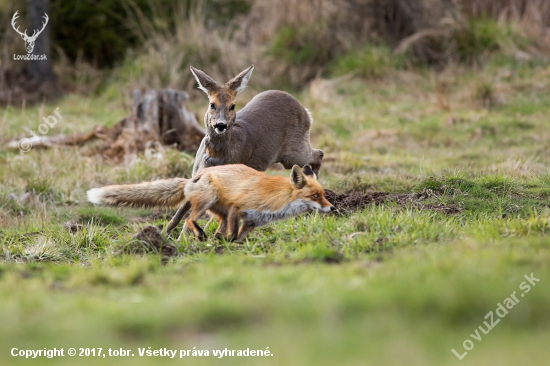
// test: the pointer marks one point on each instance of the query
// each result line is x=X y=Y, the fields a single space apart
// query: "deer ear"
x=206 y=83
x=309 y=172
x=297 y=177
x=238 y=83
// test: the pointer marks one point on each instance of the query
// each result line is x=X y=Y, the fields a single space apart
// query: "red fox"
x=231 y=193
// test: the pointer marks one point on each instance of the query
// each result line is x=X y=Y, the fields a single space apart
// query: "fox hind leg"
x=199 y=208
x=182 y=210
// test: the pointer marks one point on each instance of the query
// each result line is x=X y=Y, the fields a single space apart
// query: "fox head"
x=220 y=115
x=306 y=188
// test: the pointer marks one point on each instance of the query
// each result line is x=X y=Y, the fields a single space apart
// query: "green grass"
x=368 y=62
x=396 y=283
x=302 y=45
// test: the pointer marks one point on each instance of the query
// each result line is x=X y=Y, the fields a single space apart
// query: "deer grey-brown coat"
x=272 y=128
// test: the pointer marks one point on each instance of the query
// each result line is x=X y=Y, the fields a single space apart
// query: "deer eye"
x=213 y=106
x=232 y=108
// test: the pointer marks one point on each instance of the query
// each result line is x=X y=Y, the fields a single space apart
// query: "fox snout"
x=328 y=208
x=323 y=206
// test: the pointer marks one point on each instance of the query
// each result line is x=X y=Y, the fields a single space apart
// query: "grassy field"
x=401 y=282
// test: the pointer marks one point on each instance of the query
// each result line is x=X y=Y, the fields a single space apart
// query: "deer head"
x=220 y=115
x=29 y=41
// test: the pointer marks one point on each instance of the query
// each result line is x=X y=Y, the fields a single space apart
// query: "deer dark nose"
x=220 y=126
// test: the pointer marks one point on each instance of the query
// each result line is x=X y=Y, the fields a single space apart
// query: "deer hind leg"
x=199 y=208
x=289 y=162
x=313 y=157
x=317 y=159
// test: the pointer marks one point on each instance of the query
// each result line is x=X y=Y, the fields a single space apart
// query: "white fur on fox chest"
x=260 y=218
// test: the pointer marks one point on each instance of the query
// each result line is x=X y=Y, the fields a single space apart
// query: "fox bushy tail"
x=160 y=193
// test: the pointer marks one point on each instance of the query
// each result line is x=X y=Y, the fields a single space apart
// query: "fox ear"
x=206 y=83
x=309 y=172
x=297 y=177
x=238 y=83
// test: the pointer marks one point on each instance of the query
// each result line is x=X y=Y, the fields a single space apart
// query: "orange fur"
x=230 y=192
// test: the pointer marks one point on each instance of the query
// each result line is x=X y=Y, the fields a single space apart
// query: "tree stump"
x=157 y=116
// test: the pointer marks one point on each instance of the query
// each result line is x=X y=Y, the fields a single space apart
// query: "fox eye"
x=213 y=106
x=232 y=108
x=316 y=195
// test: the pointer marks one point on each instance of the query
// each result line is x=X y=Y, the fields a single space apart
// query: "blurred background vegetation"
x=152 y=43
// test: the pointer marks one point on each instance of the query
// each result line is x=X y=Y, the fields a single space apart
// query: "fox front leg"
x=229 y=225
x=222 y=224
x=232 y=224
x=246 y=227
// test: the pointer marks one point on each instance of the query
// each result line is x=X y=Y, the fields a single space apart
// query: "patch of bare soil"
x=150 y=240
x=347 y=203
x=352 y=201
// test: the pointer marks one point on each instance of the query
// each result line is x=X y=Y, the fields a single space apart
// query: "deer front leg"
x=200 y=161
x=203 y=160
x=210 y=161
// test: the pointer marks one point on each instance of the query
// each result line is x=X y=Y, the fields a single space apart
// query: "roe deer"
x=272 y=128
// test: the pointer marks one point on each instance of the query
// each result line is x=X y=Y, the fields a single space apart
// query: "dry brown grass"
x=532 y=12
x=168 y=51
x=431 y=31
x=532 y=15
